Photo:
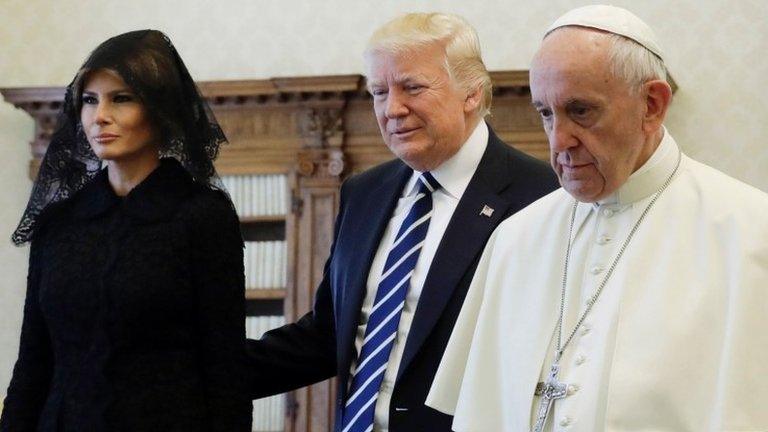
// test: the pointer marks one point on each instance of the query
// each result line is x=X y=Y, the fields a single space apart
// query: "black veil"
x=149 y=64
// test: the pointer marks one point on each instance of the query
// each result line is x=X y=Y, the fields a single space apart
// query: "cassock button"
x=565 y=421
x=608 y=212
x=596 y=270
x=573 y=388
x=603 y=239
x=579 y=360
x=585 y=328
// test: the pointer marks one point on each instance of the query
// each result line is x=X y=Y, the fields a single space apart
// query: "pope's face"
x=423 y=115
x=593 y=121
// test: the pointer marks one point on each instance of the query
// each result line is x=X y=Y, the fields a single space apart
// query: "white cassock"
x=678 y=340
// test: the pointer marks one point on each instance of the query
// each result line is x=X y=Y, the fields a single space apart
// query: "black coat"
x=322 y=343
x=135 y=313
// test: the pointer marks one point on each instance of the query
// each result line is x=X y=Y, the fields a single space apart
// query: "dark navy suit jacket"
x=322 y=343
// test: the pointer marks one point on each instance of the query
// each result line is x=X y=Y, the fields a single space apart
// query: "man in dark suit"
x=408 y=235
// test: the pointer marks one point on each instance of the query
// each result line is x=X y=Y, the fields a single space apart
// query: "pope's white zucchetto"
x=611 y=19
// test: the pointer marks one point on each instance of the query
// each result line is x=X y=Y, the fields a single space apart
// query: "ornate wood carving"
x=42 y=104
x=322 y=133
x=319 y=167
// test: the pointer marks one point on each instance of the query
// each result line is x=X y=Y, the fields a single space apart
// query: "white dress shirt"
x=454 y=176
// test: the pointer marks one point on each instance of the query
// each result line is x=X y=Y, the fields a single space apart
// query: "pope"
x=634 y=297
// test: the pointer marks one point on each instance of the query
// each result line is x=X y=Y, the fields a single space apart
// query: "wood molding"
x=268 y=121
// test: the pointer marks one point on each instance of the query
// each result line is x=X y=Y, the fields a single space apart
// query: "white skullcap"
x=611 y=19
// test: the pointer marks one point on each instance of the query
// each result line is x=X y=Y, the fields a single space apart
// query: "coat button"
x=595 y=270
x=565 y=421
x=608 y=212
x=573 y=388
x=579 y=360
x=604 y=239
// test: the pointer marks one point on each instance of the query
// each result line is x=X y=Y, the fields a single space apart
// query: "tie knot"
x=428 y=183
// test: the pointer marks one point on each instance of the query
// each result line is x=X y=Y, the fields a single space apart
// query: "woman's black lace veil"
x=149 y=64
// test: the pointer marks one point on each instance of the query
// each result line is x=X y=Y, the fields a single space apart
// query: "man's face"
x=592 y=120
x=423 y=115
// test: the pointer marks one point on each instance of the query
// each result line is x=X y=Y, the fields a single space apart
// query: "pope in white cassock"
x=634 y=298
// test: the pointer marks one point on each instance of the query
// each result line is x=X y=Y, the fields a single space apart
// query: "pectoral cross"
x=549 y=392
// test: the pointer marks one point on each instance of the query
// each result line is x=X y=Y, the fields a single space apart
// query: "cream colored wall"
x=716 y=52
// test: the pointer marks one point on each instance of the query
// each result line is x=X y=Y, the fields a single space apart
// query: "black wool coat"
x=135 y=313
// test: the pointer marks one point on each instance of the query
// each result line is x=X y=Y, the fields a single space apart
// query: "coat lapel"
x=373 y=212
x=463 y=241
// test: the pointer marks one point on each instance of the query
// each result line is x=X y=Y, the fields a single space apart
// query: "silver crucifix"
x=549 y=392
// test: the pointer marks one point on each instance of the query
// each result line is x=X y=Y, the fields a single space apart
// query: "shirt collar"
x=455 y=173
x=157 y=197
x=648 y=178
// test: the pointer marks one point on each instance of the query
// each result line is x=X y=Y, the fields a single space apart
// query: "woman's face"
x=114 y=119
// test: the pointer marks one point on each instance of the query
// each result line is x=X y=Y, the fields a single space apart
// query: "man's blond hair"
x=463 y=61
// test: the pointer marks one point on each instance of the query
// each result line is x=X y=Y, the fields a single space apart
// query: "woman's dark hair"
x=149 y=64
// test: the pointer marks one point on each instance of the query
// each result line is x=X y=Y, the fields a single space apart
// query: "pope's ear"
x=472 y=102
x=658 y=96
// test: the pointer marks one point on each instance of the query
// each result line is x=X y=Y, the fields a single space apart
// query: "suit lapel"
x=464 y=239
x=371 y=217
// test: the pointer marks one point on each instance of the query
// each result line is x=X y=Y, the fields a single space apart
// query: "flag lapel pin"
x=486 y=211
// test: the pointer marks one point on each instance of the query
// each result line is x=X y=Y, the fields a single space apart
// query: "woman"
x=134 y=316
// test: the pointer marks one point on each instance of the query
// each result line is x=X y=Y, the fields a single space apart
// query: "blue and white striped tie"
x=381 y=330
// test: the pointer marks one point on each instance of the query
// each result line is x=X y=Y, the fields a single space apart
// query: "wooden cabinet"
x=316 y=131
